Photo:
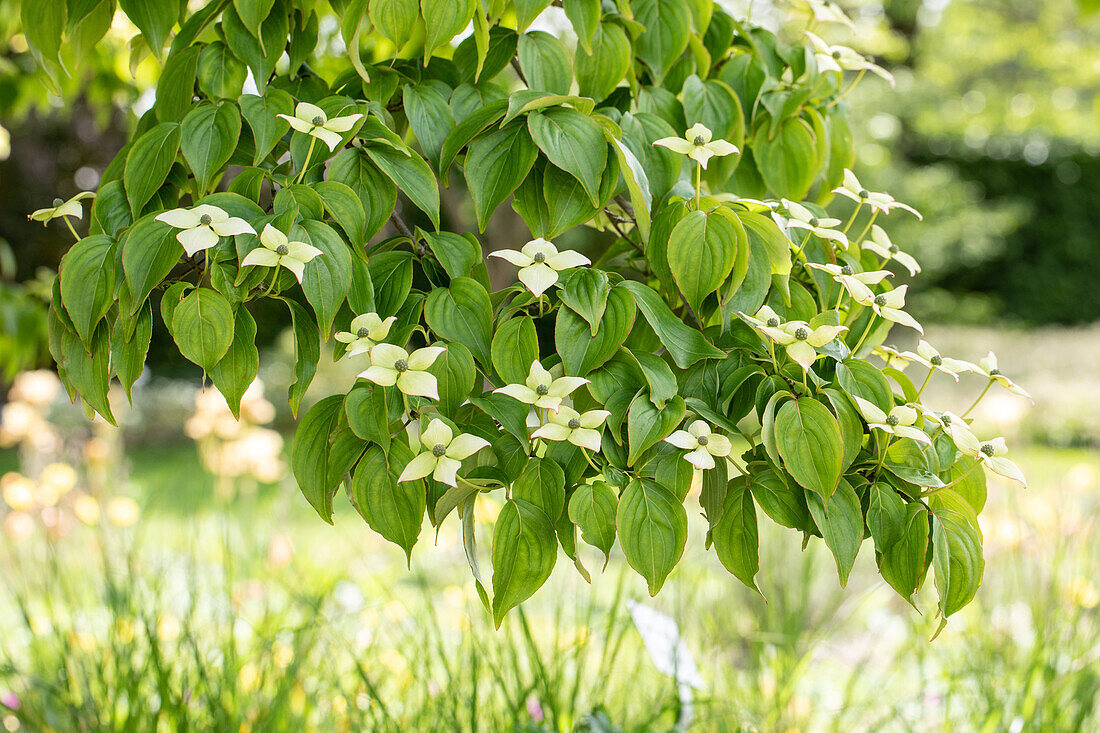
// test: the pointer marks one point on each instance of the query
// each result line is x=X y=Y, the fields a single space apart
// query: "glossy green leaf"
x=148 y=163
x=393 y=510
x=462 y=312
x=236 y=371
x=736 y=538
x=841 y=526
x=652 y=530
x=808 y=438
x=525 y=550
x=496 y=164
x=593 y=508
x=515 y=347
x=573 y=142
x=209 y=137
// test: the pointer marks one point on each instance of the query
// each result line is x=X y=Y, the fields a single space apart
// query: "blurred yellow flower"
x=1081 y=592
x=61 y=476
x=19 y=525
x=86 y=509
x=122 y=511
x=18 y=491
x=248 y=678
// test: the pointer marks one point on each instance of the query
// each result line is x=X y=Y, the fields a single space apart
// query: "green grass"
x=184 y=622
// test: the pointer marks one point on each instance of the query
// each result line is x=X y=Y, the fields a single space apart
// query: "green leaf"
x=667 y=30
x=580 y=350
x=787 y=160
x=862 y=379
x=87 y=369
x=903 y=565
x=885 y=516
x=307 y=352
x=261 y=114
x=236 y=371
x=542 y=484
x=154 y=18
x=377 y=193
x=808 y=438
x=957 y=559
x=346 y=208
x=658 y=375
x=430 y=117
x=462 y=312
x=393 y=510
x=324 y=451
x=736 y=538
x=210 y=135
x=88 y=283
x=148 y=162
x=412 y=175
x=515 y=346
x=176 y=85
x=601 y=71
x=573 y=142
x=652 y=530
x=260 y=53
x=785 y=505
x=327 y=278
x=202 y=326
x=585 y=291
x=128 y=355
x=253 y=13
x=43 y=25
x=394 y=19
x=443 y=20
x=716 y=106
x=646 y=425
x=459 y=254
x=527 y=11
x=455 y=374
x=841 y=525
x=584 y=15
x=220 y=74
x=702 y=251
x=968 y=482
x=495 y=166
x=467 y=129
x=367 y=414
x=684 y=344
x=592 y=507
x=525 y=550
x=545 y=62
x=392 y=275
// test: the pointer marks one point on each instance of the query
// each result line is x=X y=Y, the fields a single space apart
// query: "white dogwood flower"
x=880 y=244
x=927 y=355
x=312 y=120
x=799 y=217
x=828 y=11
x=956 y=428
x=856 y=283
x=842 y=58
x=540 y=262
x=878 y=201
x=278 y=250
x=541 y=389
x=442 y=455
x=992 y=454
x=697 y=144
x=579 y=428
x=73 y=207
x=391 y=365
x=899 y=421
x=203 y=225
x=987 y=367
x=702 y=444
x=891 y=356
x=801 y=340
x=365 y=331
x=889 y=306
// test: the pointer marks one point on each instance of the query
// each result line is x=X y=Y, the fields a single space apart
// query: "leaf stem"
x=71 y=229
x=874 y=215
x=866 y=332
x=309 y=154
x=969 y=409
x=926 y=381
x=849 y=89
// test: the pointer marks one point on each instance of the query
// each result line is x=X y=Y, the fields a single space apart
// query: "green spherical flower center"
x=58 y=202
x=864 y=193
x=282 y=250
x=539 y=257
x=946 y=420
x=847 y=270
x=362 y=333
x=880 y=300
x=438 y=450
x=702 y=440
x=836 y=55
x=574 y=423
x=994 y=372
x=814 y=221
x=773 y=322
x=936 y=360
x=206 y=220
x=894 y=249
x=892 y=420
x=801 y=334
x=319 y=120
x=542 y=390
x=699 y=140
x=987 y=449
x=401 y=365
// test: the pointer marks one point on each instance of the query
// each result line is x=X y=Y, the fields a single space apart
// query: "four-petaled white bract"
x=929 y=356
x=203 y=225
x=578 y=428
x=842 y=58
x=856 y=283
x=73 y=207
x=703 y=446
x=889 y=305
x=799 y=217
x=365 y=331
x=827 y=11
x=879 y=202
x=880 y=244
x=799 y=338
x=698 y=145
x=391 y=365
x=312 y=120
x=540 y=262
x=279 y=251
x=899 y=421
x=992 y=454
x=987 y=366
x=955 y=427
x=541 y=389
x=442 y=455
